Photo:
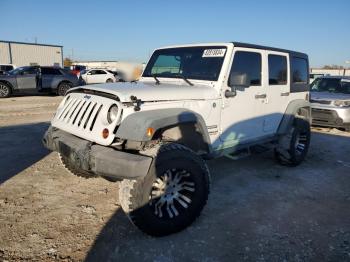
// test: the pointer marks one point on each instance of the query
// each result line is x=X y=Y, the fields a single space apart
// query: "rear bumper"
x=96 y=159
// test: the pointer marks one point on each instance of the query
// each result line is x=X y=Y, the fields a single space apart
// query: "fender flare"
x=134 y=126
x=290 y=113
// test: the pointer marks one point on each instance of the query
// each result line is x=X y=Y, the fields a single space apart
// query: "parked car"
x=116 y=75
x=314 y=76
x=37 y=79
x=330 y=101
x=76 y=69
x=154 y=135
x=4 y=68
x=97 y=76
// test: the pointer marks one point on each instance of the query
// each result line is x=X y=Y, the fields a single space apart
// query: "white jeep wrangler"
x=193 y=102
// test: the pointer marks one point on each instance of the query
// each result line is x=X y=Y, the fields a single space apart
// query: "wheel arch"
x=296 y=108
x=177 y=125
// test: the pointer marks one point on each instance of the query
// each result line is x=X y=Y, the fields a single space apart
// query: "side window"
x=248 y=63
x=277 y=70
x=50 y=71
x=30 y=71
x=93 y=72
x=300 y=70
x=101 y=72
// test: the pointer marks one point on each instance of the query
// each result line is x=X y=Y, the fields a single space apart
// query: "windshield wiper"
x=157 y=80
x=184 y=78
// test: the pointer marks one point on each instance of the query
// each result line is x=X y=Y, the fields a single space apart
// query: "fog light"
x=105 y=133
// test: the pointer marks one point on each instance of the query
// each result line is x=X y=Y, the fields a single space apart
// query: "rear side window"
x=50 y=71
x=277 y=70
x=248 y=63
x=300 y=70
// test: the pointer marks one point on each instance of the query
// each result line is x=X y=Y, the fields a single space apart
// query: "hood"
x=152 y=92
x=327 y=96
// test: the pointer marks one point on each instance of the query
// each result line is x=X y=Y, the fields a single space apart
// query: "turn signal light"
x=105 y=133
x=150 y=132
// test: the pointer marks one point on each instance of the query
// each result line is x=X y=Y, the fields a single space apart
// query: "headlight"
x=342 y=103
x=112 y=114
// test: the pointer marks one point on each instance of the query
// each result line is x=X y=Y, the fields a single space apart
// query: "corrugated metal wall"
x=24 y=54
x=4 y=53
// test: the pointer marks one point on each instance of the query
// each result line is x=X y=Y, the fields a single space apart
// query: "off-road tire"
x=74 y=171
x=134 y=195
x=109 y=80
x=293 y=146
x=63 y=88
x=5 y=90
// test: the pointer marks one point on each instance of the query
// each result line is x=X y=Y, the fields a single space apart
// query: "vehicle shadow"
x=21 y=147
x=256 y=208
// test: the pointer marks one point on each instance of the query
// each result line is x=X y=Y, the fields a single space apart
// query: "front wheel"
x=5 y=90
x=63 y=88
x=109 y=80
x=293 y=146
x=171 y=196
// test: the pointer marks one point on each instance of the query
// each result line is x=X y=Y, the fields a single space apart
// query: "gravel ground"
x=257 y=210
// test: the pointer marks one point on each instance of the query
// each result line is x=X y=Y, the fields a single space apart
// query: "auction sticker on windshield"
x=214 y=52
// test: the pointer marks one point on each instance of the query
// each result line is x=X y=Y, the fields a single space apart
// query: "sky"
x=131 y=30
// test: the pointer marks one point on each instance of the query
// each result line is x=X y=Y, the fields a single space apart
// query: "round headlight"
x=112 y=113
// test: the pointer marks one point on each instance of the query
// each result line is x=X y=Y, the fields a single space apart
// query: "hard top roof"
x=240 y=44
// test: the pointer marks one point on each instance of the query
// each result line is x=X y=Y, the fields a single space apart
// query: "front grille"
x=323 y=102
x=85 y=116
x=80 y=113
x=325 y=116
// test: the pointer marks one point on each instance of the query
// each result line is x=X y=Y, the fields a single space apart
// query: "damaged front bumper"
x=96 y=159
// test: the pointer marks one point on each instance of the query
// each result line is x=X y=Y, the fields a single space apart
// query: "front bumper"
x=330 y=116
x=96 y=159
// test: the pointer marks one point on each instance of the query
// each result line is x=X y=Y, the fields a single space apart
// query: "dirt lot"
x=257 y=210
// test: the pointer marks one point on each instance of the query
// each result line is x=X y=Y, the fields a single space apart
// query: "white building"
x=331 y=72
x=25 y=54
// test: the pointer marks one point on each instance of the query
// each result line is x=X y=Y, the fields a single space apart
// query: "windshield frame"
x=148 y=69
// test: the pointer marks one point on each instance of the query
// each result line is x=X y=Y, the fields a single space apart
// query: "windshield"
x=202 y=63
x=331 y=85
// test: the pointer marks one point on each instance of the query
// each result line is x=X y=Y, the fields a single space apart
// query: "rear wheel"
x=63 y=88
x=5 y=90
x=171 y=196
x=293 y=146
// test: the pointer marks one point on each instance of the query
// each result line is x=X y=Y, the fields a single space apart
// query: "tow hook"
x=137 y=103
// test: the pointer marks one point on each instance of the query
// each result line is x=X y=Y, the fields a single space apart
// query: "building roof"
x=26 y=43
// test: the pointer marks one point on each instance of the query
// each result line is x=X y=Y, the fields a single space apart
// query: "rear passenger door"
x=275 y=90
x=49 y=77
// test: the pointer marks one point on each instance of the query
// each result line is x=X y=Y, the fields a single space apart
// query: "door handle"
x=260 y=96
x=285 y=94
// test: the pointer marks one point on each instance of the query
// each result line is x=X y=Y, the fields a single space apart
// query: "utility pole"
x=35 y=39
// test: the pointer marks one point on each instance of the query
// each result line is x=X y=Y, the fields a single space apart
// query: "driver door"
x=239 y=119
x=27 y=80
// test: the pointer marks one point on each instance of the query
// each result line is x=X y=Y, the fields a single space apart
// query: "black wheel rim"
x=301 y=142
x=172 y=193
x=4 y=90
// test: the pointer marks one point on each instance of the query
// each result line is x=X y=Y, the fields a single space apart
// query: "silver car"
x=330 y=101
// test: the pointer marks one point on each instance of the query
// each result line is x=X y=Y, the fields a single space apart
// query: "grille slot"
x=95 y=117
